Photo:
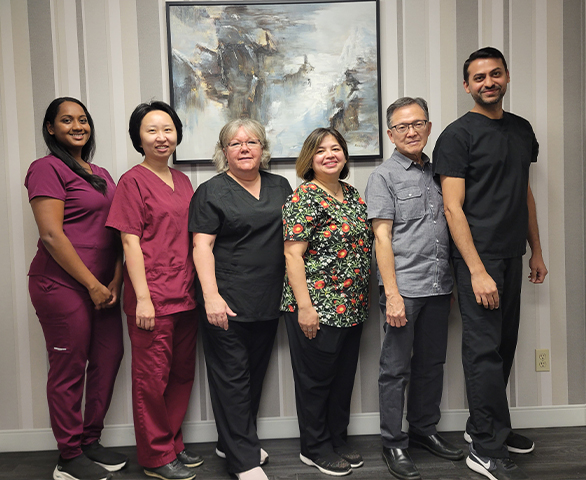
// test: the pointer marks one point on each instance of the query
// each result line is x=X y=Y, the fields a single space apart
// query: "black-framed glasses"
x=418 y=125
x=250 y=144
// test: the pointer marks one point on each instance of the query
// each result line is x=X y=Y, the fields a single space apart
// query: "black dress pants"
x=489 y=340
x=324 y=370
x=413 y=354
x=237 y=360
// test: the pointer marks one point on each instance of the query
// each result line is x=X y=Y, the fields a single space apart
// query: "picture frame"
x=294 y=66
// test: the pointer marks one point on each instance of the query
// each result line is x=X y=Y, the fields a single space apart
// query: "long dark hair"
x=61 y=152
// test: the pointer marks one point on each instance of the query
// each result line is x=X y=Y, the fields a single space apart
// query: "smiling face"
x=328 y=160
x=411 y=142
x=158 y=136
x=71 y=127
x=243 y=159
x=487 y=81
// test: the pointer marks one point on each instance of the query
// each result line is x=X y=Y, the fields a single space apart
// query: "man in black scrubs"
x=483 y=160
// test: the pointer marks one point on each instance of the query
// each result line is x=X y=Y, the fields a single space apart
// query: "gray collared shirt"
x=406 y=193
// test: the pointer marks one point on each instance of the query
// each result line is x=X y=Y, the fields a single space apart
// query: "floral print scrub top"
x=337 y=259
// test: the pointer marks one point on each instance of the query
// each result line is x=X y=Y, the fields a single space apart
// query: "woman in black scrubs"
x=238 y=254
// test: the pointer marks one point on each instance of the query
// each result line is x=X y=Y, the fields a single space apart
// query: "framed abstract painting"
x=292 y=66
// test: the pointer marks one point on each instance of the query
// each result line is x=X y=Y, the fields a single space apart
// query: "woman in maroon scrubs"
x=74 y=283
x=150 y=210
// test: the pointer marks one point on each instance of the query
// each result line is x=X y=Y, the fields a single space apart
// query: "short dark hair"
x=60 y=151
x=303 y=165
x=141 y=111
x=486 y=52
x=404 y=102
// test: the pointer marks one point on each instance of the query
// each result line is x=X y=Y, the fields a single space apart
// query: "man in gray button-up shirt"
x=412 y=252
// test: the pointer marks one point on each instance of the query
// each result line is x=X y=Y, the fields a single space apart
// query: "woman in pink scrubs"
x=74 y=283
x=150 y=210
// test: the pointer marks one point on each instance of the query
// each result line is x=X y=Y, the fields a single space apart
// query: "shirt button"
x=437 y=241
x=434 y=222
x=435 y=284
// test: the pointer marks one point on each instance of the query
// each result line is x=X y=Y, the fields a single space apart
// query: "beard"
x=480 y=100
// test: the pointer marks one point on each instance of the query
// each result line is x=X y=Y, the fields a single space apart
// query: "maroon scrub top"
x=145 y=206
x=84 y=220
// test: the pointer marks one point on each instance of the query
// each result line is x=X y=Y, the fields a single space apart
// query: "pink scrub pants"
x=85 y=349
x=163 y=370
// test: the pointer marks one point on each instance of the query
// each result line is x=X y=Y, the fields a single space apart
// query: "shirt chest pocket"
x=411 y=203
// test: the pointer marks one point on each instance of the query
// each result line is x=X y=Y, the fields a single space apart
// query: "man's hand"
x=396 y=311
x=538 y=269
x=485 y=290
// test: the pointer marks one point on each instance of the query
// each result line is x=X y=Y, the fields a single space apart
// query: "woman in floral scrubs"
x=328 y=242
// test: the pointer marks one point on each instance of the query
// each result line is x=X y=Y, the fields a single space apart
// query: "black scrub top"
x=493 y=156
x=248 y=250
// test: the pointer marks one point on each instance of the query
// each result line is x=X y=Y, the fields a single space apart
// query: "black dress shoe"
x=174 y=470
x=436 y=445
x=400 y=464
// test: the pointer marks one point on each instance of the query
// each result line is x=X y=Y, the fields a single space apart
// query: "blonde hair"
x=254 y=129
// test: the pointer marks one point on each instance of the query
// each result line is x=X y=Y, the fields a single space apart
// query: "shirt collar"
x=406 y=162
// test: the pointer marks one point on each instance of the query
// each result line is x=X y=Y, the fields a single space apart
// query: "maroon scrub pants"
x=77 y=336
x=163 y=370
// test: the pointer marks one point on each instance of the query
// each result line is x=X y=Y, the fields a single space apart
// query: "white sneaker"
x=255 y=473
x=264 y=456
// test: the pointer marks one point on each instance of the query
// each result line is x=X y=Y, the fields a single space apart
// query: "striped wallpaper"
x=112 y=55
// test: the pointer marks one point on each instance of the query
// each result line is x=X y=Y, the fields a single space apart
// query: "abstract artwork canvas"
x=292 y=66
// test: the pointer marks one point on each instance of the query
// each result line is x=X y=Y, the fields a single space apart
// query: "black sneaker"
x=189 y=459
x=494 y=468
x=174 y=470
x=79 y=468
x=350 y=455
x=111 y=461
x=515 y=442
x=331 y=464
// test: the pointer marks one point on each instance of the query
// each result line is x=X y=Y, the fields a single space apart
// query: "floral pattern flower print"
x=337 y=259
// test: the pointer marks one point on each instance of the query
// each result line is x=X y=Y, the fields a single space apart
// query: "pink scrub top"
x=84 y=220
x=145 y=206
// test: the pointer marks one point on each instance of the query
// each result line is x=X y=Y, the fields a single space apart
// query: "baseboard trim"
x=286 y=427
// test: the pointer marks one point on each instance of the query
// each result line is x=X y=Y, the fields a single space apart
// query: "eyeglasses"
x=250 y=144
x=418 y=125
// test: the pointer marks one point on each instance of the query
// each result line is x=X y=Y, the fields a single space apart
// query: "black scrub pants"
x=489 y=340
x=237 y=360
x=324 y=370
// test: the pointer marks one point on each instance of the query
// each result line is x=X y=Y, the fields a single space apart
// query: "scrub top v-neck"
x=146 y=206
x=248 y=250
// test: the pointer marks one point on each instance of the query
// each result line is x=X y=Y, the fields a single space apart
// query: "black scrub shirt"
x=248 y=250
x=493 y=156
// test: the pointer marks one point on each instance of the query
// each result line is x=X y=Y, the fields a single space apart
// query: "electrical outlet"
x=542 y=360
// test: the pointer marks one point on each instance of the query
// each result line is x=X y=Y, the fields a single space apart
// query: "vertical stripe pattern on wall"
x=112 y=55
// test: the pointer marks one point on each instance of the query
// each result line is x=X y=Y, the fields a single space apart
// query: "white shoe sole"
x=311 y=463
x=472 y=465
x=59 y=475
x=468 y=439
x=112 y=468
x=263 y=453
x=156 y=475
